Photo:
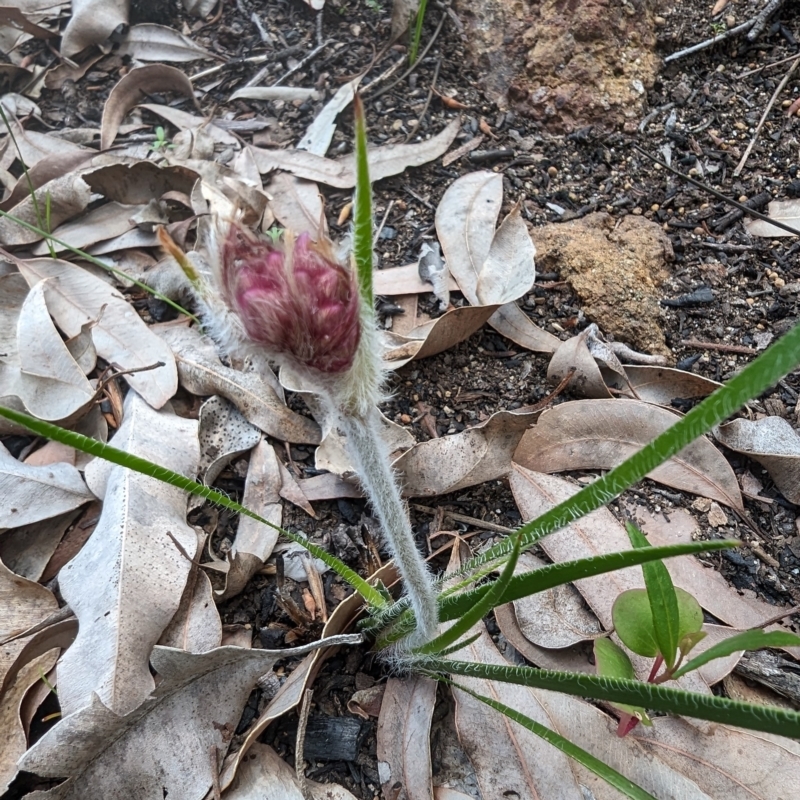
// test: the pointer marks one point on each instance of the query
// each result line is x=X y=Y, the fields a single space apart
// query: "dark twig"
x=749 y=211
x=760 y=19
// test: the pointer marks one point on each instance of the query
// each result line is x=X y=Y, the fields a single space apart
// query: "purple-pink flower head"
x=293 y=298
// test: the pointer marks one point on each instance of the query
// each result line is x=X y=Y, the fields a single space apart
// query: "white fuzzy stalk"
x=370 y=456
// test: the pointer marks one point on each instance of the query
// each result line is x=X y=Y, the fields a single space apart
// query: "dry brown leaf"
x=436 y=336
x=139 y=182
x=404 y=729
x=50 y=383
x=140 y=547
x=266 y=776
x=28 y=549
x=15 y=741
x=69 y=195
x=135 y=87
x=404 y=280
x=202 y=373
x=317 y=139
x=573 y=354
x=254 y=540
x=31 y=493
x=404 y=12
x=196 y=626
x=554 y=618
x=771 y=441
x=183 y=121
x=290 y=490
x=599 y=434
x=662 y=385
x=74 y=297
x=32 y=146
x=476 y=455
x=512 y=322
x=288 y=94
x=93 y=21
x=340 y=173
x=14 y=17
x=297 y=204
x=786 y=211
x=328 y=487
x=148 y=752
x=150 y=42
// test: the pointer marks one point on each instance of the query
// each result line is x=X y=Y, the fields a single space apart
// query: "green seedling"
x=665 y=623
x=161 y=142
x=416 y=36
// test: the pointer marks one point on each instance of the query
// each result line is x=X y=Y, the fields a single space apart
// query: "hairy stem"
x=371 y=459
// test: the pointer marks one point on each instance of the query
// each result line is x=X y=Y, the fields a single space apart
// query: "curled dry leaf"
x=150 y=42
x=296 y=204
x=436 y=336
x=50 y=383
x=772 y=442
x=139 y=182
x=340 y=173
x=32 y=493
x=196 y=626
x=573 y=354
x=101 y=223
x=404 y=732
x=476 y=455
x=266 y=776
x=317 y=138
x=135 y=87
x=147 y=752
x=135 y=547
x=184 y=121
x=69 y=195
x=662 y=385
x=201 y=372
x=254 y=540
x=599 y=434
x=74 y=297
x=32 y=146
x=93 y=21
x=289 y=94
x=478 y=257
x=224 y=434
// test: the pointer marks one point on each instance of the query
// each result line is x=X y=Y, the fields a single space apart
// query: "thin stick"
x=760 y=19
x=300 y=64
x=415 y=126
x=695 y=48
x=780 y=87
x=456 y=517
x=765 y=66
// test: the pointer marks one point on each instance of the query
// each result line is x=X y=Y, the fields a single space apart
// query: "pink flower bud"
x=293 y=298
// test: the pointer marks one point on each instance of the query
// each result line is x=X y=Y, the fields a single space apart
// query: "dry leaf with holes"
x=599 y=434
x=140 y=547
x=147 y=752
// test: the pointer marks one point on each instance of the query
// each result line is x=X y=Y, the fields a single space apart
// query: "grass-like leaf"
x=97 y=262
x=362 y=209
x=600 y=768
x=769 y=719
x=757 y=377
x=416 y=37
x=137 y=464
x=662 y=598
x=748 y=640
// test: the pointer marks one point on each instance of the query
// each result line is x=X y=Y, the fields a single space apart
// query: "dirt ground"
x=699 y=110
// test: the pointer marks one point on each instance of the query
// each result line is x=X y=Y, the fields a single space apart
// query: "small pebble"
x=552 y=171
x=405 y=419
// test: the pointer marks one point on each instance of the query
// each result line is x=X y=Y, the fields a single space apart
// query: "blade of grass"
x=362 y=209
x=768 y=719
x=417 y=37
x=763 y=372
x=93 y=260
x=145 y=467
x=600 y=768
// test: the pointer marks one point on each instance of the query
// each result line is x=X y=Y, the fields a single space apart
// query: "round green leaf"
x=633 y=622
x=690 y=613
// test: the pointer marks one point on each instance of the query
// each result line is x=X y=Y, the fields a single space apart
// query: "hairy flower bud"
x=293 y=298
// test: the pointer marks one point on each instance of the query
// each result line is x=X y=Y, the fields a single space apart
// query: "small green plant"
x=374 y=5
x=416 y=36
x=307 y=292
x=718 y=28
x=161 y=142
